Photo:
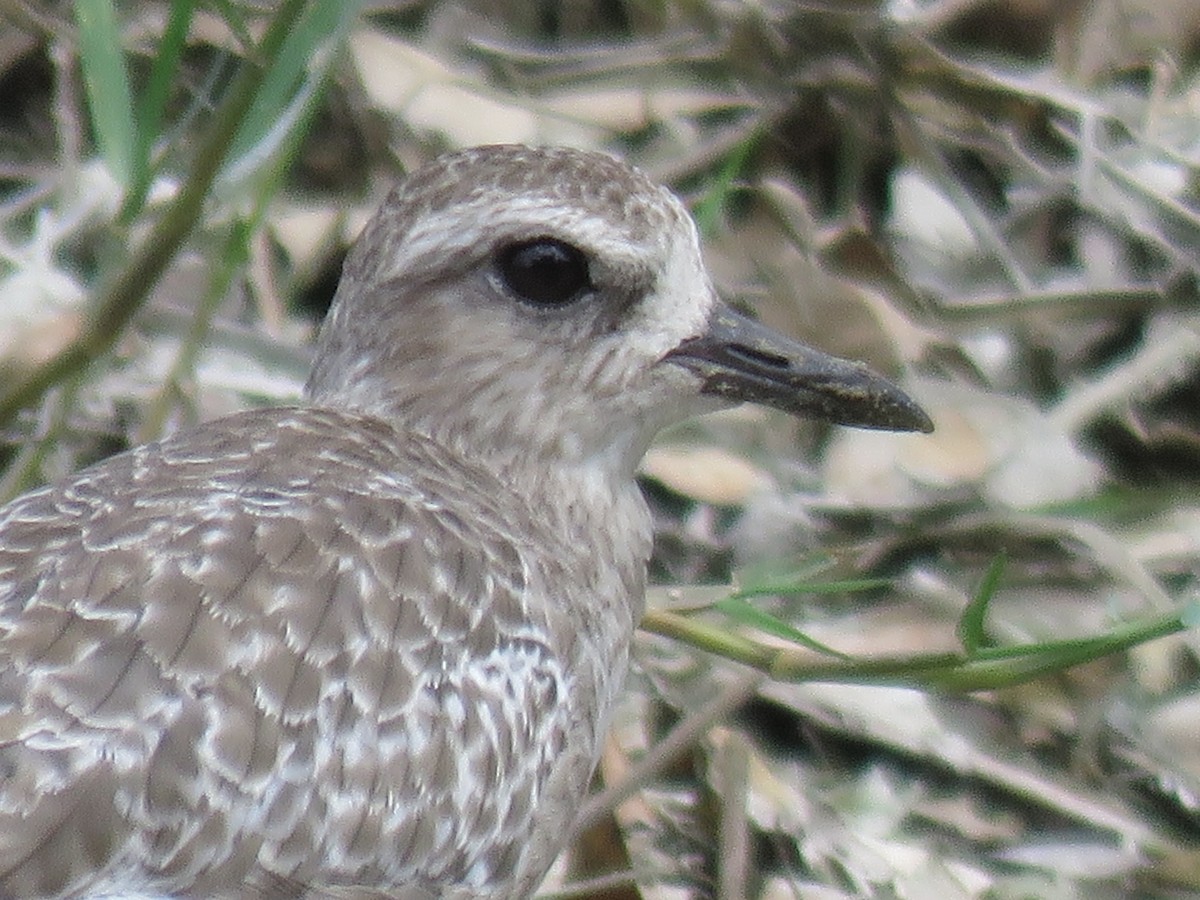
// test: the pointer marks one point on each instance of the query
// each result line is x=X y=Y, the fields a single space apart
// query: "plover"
x=368 y=646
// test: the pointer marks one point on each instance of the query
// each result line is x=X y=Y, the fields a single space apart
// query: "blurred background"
x=995 y=202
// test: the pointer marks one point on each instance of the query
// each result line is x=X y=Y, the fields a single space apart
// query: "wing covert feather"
x=264 y=647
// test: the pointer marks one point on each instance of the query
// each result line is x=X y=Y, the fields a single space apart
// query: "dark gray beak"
x=739 y=359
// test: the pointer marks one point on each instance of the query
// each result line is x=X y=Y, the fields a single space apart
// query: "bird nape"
x=368 y=645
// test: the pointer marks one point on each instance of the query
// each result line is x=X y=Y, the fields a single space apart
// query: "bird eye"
x=544 y=271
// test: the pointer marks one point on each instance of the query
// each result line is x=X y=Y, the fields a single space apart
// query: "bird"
x=368 y=645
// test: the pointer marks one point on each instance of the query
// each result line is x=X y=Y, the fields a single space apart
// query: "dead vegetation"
x=995 y=202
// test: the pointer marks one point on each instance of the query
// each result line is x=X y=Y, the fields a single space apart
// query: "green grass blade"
x=152 y=104
x=275 y=107
x=742 y=612
x=710 y=205
x=235 y=20
x=971 y=625
x=1189 y=616
x=107 y=85
x=990 y=669
x=1003 y=667
x=789 y=587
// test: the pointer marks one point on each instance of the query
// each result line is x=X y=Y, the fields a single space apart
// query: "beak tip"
x=921 y=425
x=913 y=418
x=876 y=402
x=884 y=407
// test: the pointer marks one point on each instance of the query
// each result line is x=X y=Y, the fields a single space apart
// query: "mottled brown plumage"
x=368 y=647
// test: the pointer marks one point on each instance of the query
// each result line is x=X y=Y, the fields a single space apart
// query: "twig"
x=661 y=755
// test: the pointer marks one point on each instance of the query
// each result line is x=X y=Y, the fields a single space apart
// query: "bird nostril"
x=759 y=357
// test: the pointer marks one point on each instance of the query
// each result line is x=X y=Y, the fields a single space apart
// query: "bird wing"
x=273 y=648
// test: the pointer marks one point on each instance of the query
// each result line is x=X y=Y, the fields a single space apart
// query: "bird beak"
x=742 y=360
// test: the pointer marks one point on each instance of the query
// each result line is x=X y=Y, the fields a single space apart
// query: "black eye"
x=544 y=271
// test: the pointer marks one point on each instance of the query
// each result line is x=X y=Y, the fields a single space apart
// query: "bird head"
x=542 y=307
